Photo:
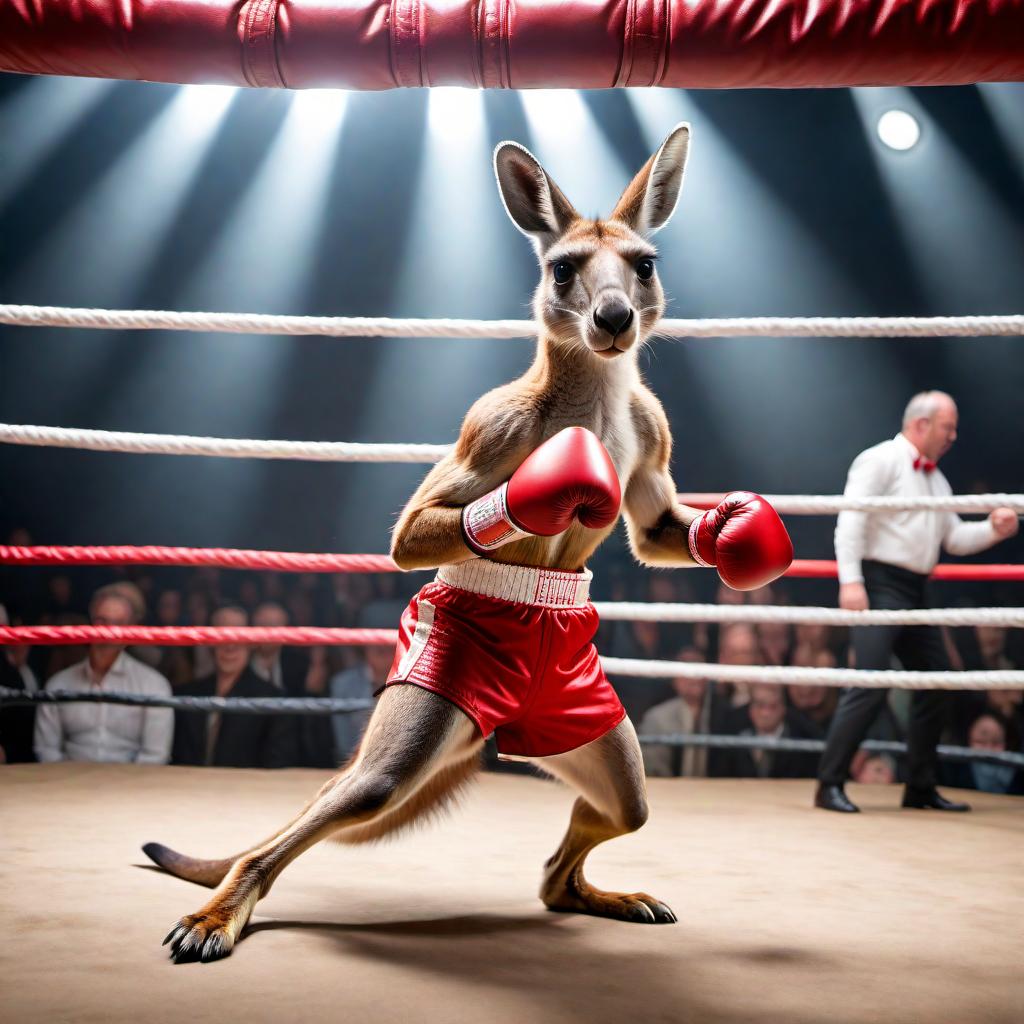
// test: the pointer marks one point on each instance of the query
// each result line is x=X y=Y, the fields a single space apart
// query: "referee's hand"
x=1004 y=522
x=853 y=597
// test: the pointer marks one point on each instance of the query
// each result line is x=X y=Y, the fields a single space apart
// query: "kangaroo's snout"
x=614 y=316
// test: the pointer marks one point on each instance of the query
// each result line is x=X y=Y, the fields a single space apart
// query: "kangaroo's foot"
x=209 y=934
x=417 y=749
x=578 y=896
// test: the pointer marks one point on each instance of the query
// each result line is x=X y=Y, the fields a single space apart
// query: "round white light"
x=898 y=129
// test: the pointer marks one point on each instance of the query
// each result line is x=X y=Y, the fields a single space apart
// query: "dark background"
x=791 y=207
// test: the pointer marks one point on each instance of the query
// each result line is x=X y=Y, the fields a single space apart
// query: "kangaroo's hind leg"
x=609 y=775
x=418 y=746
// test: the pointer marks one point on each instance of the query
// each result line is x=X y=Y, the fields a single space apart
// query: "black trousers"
x=919 y=648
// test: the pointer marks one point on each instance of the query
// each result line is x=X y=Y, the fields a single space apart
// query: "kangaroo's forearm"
x=665 y=543
x=428 y=538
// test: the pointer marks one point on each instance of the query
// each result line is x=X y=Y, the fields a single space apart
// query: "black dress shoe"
x=931 y=799
x=832 y=798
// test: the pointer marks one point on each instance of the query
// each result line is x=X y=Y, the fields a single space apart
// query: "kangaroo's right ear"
x=533 y=201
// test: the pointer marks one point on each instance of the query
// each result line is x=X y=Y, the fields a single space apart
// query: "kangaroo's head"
x=599 y=287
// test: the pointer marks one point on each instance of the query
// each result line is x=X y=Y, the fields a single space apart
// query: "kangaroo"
x=597 y=302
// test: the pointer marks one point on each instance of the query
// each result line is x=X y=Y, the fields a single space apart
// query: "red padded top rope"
x=519 y=44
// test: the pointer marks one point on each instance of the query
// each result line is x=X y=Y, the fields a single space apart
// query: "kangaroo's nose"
x=613 y=316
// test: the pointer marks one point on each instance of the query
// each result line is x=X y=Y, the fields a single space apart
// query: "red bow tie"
x=923 y=464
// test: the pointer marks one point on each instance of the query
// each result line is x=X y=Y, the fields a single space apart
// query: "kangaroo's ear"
x=650 y=198
x=535 y=203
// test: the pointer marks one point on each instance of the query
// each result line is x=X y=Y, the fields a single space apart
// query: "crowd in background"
x=992 y=720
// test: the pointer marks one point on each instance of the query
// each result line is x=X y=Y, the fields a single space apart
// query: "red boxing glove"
x=569 y=477
x=744 y=539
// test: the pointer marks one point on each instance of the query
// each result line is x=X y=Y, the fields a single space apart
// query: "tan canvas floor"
x=786 y=914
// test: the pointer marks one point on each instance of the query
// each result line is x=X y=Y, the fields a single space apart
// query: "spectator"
x=687 y=713
x=169 y=608
x=197 y=611
x=1008 y=705
x=873 y=769
x=107 y=732
x=62 y=656
x=737 y=645
x=769 y=720
x=386 y=604
x=709 y=638
x=814 y=706
x=60 y=598
x=174 y=663
x=230 y=740
x=358 y=683
x=669 y=588
x=776 y=642
x=988 y=732
x=352 y=593
x=300 y=607
x=315 y=733
x=266 y=658
x=17 y=724
x=272 y=586
x=249 y=593
x=299 y=672
x=992 y=647
x=810 y=640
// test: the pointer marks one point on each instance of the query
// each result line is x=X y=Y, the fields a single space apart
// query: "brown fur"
x=419 y=749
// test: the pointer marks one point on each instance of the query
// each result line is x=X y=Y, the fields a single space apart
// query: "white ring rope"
x=386 y=327
x=816 y=504
x=998 y=680
x=232 y=448
x=637 y=611
x=344 y=451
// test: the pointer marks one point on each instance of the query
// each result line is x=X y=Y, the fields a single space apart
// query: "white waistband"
x=522 y=584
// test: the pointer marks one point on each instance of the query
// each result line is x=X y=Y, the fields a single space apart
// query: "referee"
x=885 y=560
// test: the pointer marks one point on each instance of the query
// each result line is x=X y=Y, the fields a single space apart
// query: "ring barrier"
x=809 y=746
x=332 y=705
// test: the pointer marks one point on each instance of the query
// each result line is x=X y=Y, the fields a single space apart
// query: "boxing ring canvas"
x=785 y=914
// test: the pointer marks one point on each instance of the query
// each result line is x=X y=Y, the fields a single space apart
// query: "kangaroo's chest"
x=613 y=424
x=610 y=419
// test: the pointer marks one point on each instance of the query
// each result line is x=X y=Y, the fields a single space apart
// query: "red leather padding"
x=519 y=44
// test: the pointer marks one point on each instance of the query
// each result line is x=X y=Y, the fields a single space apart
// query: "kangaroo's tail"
x=203 y=872
x=431 y=799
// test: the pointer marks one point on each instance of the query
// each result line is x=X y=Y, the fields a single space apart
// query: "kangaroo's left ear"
x=650 y=198
x=535 y=203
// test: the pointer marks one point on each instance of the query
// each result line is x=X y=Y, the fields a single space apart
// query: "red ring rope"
x=187 y=636
x=293 y=561
x=811 y=568
x=224 y=558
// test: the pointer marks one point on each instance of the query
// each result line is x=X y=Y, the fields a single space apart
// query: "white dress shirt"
x=268 y=673
x=28 y=677
x=106 y=732
x=910 y=540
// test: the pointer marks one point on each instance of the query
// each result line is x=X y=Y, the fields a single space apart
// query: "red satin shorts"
x=513 y=648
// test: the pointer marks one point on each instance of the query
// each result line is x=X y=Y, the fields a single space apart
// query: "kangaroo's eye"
x=645 y=269
x=563 y=271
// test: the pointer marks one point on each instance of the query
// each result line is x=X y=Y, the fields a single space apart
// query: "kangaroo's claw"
x=201 y=937
x=637 y=907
